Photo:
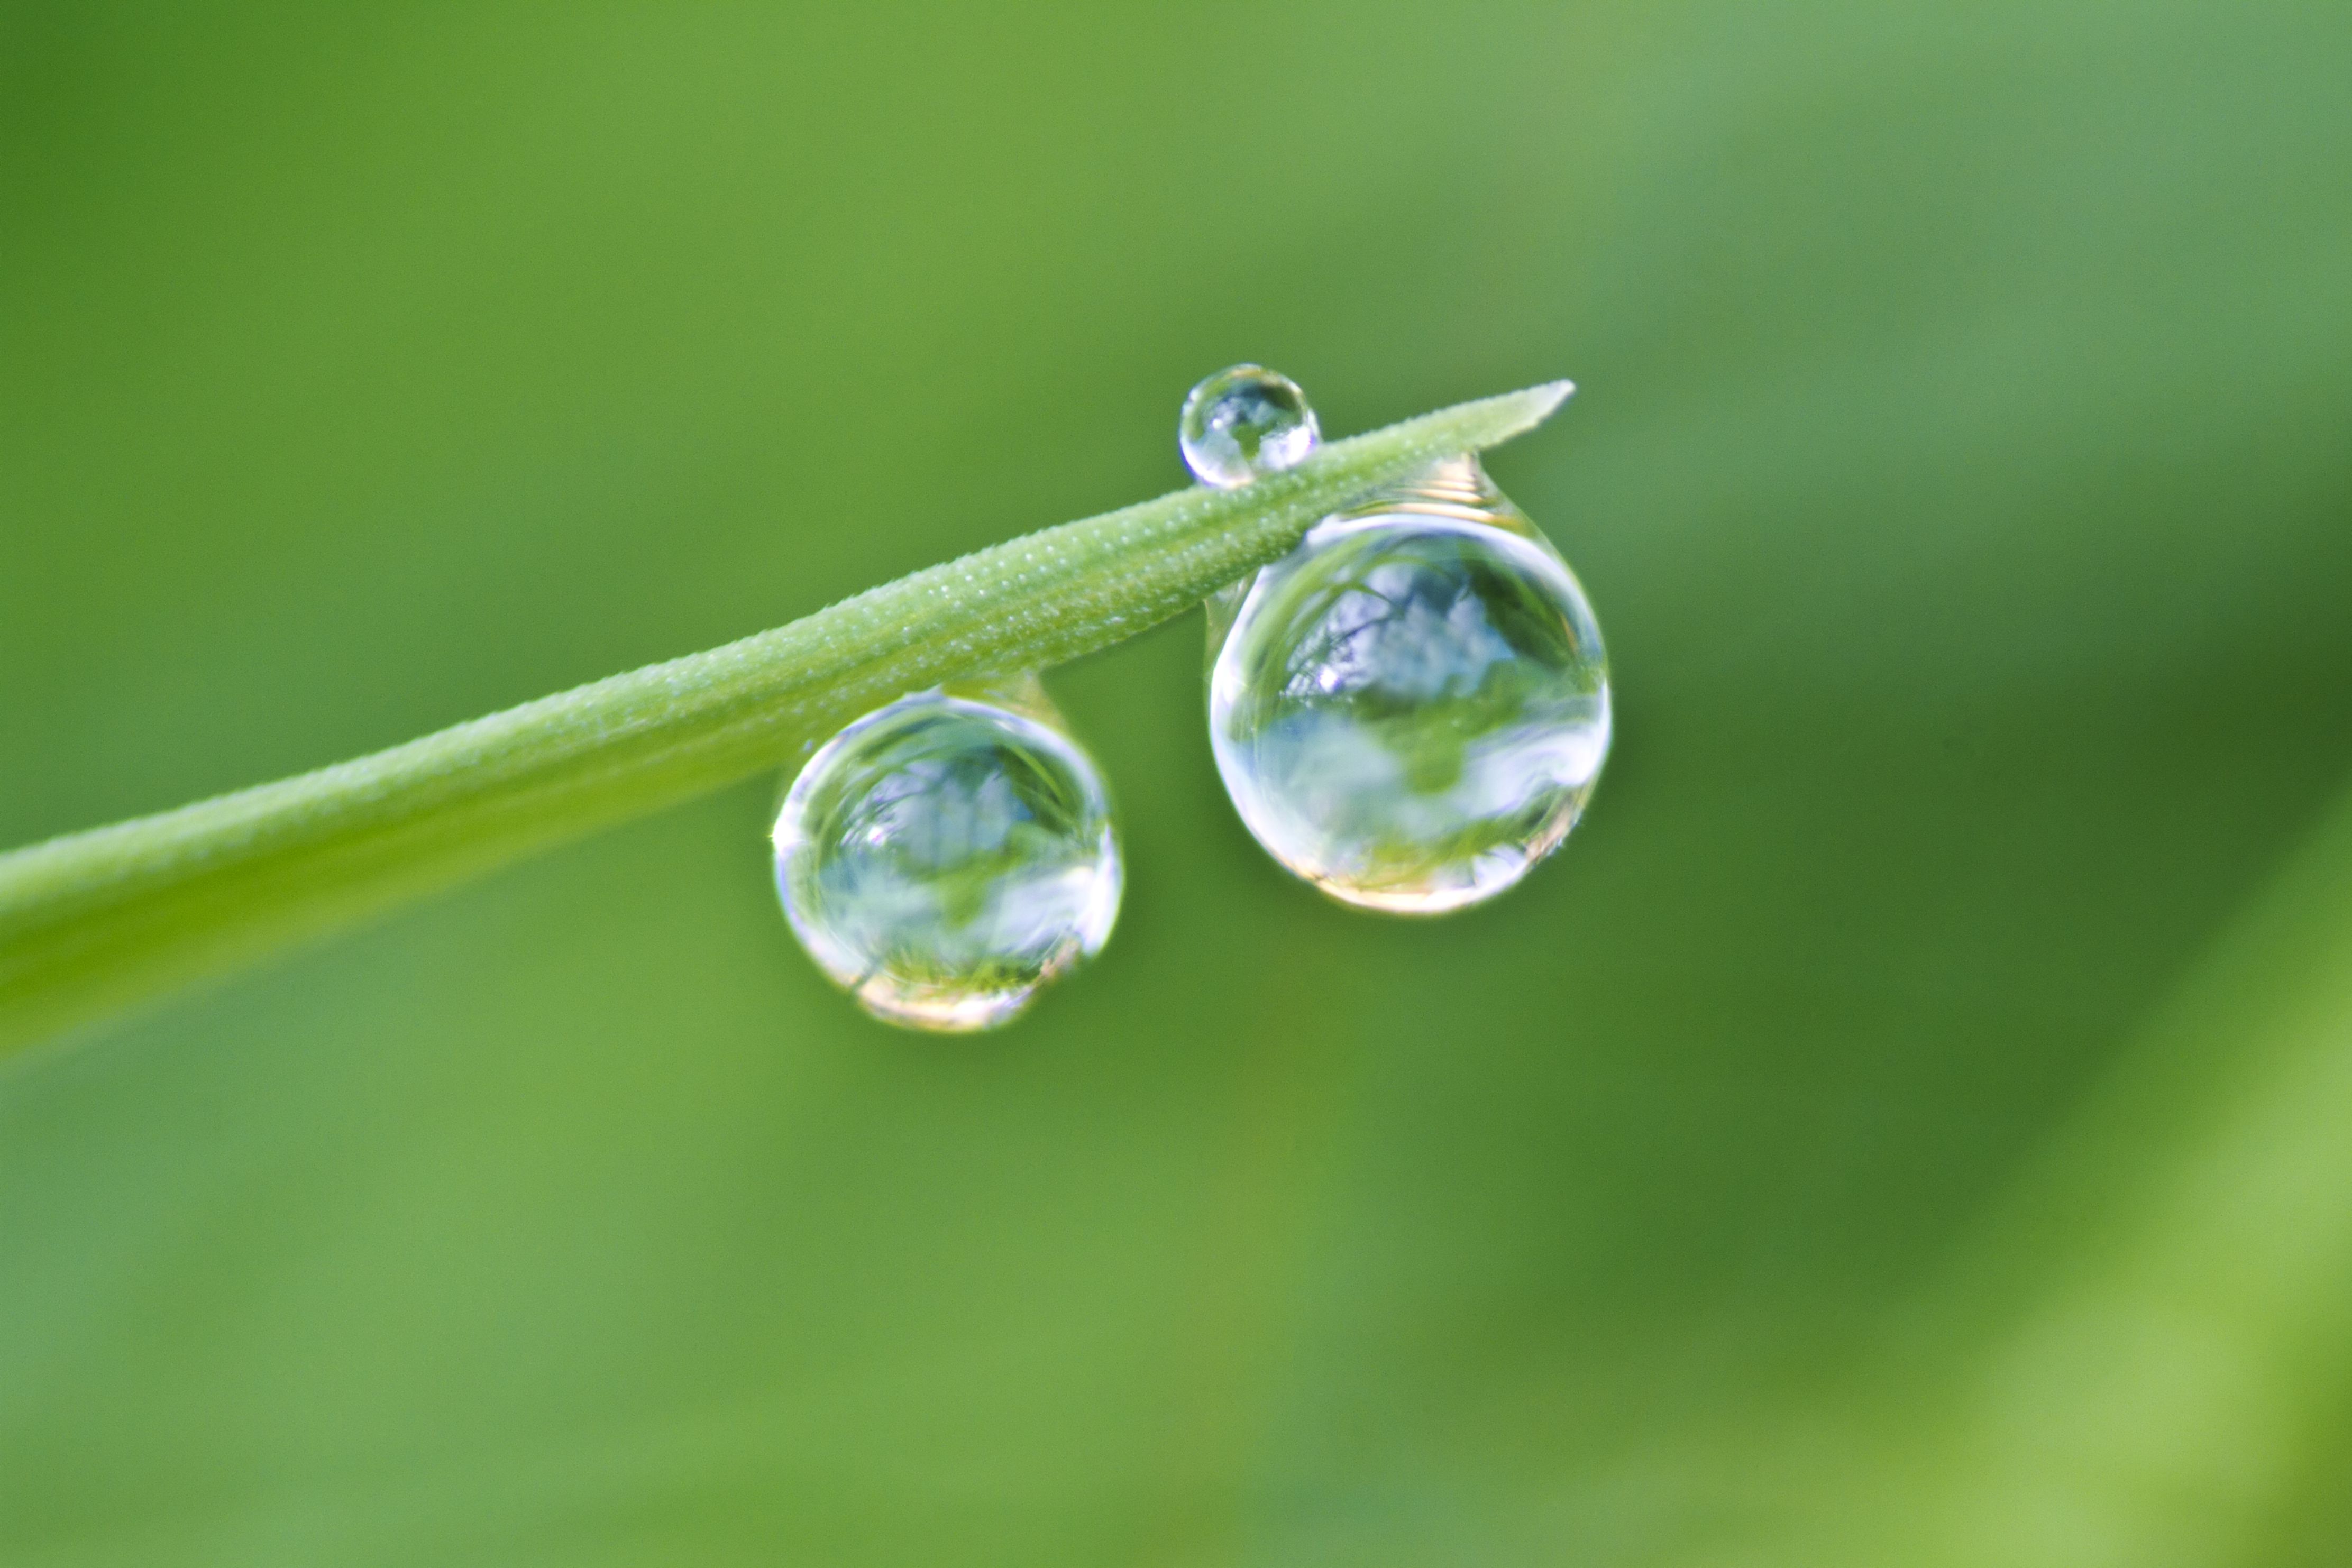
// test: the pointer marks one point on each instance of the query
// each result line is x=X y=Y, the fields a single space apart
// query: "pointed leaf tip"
x=1522 y=411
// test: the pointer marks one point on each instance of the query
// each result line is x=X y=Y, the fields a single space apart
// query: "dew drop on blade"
x=1243 y=422
x=947 y=856
x=1411 y=708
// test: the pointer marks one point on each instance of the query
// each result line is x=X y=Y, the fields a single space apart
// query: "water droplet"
x=1241 y=422
x=946 y=856
x=1411 y=708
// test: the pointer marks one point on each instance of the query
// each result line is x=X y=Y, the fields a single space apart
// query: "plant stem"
x=96 y=923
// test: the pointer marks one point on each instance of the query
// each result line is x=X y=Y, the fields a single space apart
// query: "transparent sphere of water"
x=1243 y=422
x=944 y=858
x=1410 y=709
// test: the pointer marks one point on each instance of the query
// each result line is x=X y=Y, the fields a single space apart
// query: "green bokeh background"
x=1910 y=1123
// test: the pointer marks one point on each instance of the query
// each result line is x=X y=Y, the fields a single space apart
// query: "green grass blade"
x=98 y=922
x=2185 y=1257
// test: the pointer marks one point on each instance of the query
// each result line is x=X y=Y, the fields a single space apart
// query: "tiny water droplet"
x=946 y=856
x=1243 y=422
x=1410 y=709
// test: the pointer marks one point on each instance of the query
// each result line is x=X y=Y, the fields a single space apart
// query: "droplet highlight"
x=1410 y=709
x=946 y=857
x=1243 y=422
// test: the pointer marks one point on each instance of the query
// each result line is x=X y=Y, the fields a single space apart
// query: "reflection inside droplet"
x=943 y=858
x=1411 y=708
x=1243 y=422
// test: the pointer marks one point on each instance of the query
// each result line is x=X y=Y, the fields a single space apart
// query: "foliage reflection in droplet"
x=1410 y=709
x=944 y=857
x=1243 y=422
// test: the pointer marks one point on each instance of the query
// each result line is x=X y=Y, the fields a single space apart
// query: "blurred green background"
x=1910 y=1123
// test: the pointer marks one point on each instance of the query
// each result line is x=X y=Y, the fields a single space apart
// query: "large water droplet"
x=946 y=856
x=1243 y=422
x=1411 y=708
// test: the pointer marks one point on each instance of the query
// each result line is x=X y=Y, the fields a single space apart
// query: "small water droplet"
x=947 y=856
x=1410 y=709
x=1243 y=422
